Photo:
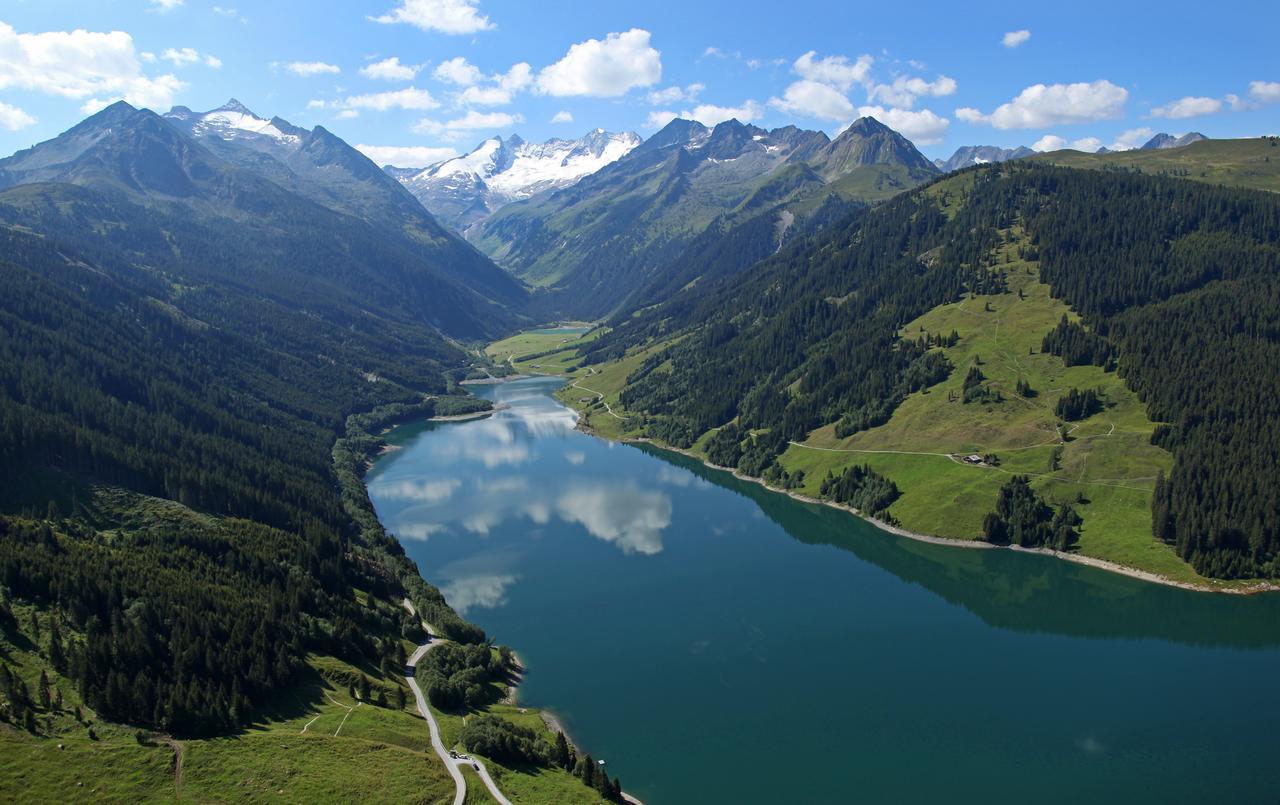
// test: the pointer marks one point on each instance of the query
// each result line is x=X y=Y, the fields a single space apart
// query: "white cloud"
x=81 y=64
x=1052 y=142
x=904 y=90
x=307 y=69
x=1133 y=138
x=12 y=118
x=605 y=68
x=658 y=119
x=562 y=117
x=445 y=16
x=390 y=70
x=712 y=115
x=814 y=99
x=1049 y=142
x=408 y=98
x=458 y=71
x=714 y=52
x=922 y=127
x=181 y=56
x=1053 y=104
x=348 y=114
x=1015 y=38
x=1265 y=91
x=494 y=90
x=669 y=95
x=834 y=70
x=165 y=5
x=1188 y=107
x=471 y=121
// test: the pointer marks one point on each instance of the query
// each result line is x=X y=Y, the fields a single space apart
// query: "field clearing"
x=1106 y=466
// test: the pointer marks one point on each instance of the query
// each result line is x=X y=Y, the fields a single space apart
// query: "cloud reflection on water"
x=630 y=518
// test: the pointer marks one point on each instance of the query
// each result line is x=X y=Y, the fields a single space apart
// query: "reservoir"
x=717 y=642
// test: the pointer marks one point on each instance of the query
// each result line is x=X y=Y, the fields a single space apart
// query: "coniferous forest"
x=1177 y=284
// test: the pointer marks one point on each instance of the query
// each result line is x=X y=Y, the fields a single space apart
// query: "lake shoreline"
x=974 y=544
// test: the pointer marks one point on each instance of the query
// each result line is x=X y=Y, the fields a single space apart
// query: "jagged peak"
x=234 y=106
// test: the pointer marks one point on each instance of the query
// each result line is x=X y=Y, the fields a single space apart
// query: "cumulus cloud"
x=12 y=118
x=181 y=56
x=660 y=118
x=471 y=121
x=1265 y=91
x=814 y=99
x=1188 y=107
x=408 y=98
x=905 y=90
x=499 y=90
x=1052 y=142
x=445 y=16
x=1054 y=104
x=562 y=117
x=670 y=95
x=837 y=71
x=390 y=70
x=711 y=115
x=1015 y=38
x=458 y=71
x=89 y=66
x=922 y=127
x=606 y=68
x=307 y=69
x=1133 y=138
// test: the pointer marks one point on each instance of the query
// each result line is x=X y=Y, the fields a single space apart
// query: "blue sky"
x=412 y=80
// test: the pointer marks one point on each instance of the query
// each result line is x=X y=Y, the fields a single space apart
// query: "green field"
x=1106 y=466
x=1252 y=163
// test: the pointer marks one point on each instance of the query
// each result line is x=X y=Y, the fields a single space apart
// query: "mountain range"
x=465 y=190
x=594 y=244
x=215 y=208
x=969 y=155
x=1163 y=140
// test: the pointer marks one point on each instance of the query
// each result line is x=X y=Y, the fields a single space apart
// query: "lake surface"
x=716 y=642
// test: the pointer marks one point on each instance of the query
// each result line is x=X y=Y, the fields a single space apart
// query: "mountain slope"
x=594 y=244
x=465 y=190
x=322 y=168
x=1253 y=163
x=166 y=200
x=893 y=339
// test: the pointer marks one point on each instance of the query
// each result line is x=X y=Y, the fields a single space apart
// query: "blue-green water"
x=562 y=331
x=716 y=642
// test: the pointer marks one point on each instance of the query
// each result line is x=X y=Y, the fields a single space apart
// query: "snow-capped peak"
x=230 y=121
x=500 y=171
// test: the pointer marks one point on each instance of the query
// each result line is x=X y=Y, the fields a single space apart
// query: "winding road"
x=599 y=398
x=454 y=765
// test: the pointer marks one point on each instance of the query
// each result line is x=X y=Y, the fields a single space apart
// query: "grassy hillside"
x=1252 y=163
x=863 y=342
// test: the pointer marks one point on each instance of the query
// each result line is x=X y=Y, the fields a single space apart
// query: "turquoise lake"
x=716 y=642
